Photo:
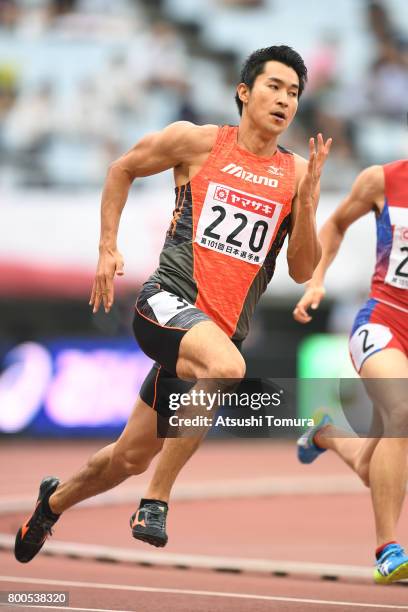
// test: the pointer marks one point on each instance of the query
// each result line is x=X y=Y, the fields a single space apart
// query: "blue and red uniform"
x=382 y=323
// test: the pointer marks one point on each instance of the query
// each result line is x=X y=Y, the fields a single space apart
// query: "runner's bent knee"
x=207 y=352
x=232 y=369
x=131 y=461
x=362 y=469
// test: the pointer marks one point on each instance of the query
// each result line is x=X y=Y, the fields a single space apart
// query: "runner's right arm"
x=177 y=144
x=367 y=193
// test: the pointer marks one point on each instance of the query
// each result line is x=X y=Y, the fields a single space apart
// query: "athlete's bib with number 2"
x=237 y=223
x=397 y=273
x=367 y=340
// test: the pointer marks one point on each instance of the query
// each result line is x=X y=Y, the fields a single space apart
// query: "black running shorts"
x=161 y=321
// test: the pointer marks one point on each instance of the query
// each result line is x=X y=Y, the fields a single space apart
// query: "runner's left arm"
x=304 y=249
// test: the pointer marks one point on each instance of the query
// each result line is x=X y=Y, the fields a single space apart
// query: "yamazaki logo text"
x=246 y=202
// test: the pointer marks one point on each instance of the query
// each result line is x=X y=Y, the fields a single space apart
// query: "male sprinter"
x=237 y=196
x=379 y=350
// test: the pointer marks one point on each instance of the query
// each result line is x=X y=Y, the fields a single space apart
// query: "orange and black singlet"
x=228 y=227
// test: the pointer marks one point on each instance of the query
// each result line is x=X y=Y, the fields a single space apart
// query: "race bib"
x=397 y=272
x=237 y=223
x=366 y=340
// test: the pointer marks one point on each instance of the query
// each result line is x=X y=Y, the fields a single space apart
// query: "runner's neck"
x=255 y=143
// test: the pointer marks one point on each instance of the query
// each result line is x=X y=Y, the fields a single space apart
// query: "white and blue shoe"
x=306 y=448
x=392 y=565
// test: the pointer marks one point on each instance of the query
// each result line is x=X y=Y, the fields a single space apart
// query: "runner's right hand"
x=311 y=299
x=110 y=263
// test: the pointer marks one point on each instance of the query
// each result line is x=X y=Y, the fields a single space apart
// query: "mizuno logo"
x=275 y=171
x=249 y=177
x=138 y=521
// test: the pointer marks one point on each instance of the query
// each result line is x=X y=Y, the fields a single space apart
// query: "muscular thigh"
x=185 y=344
x=181 y=338
x=388 y=363
x=385 y=376
x=207 y=352
x=161 y=321
x=379 y=348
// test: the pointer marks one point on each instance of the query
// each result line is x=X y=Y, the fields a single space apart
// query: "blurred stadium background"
x=80 y=82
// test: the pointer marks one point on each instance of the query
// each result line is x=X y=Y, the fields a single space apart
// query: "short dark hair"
x=255 y=63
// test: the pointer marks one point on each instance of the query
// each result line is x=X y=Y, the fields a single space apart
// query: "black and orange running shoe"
x=32 y=535
x=148 y=524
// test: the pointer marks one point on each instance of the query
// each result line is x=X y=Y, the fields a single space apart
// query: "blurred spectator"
x=381 y=26
x=8 y=90
x=379 y=21
x=117 y=87
x=87 y=18
x=28 y=130
x=243 y=3
x=322 y=65
x=59 y=8
x=186 y=109
x=107 y=7
x=166 y=57
x=9 y=14
x=31 y=121
x=101 y=74
x=86 y=117
x=321 y=108
x=387 y=84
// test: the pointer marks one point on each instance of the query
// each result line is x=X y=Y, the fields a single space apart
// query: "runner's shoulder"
x=191 y=138
x=372 y=174
x=300 y=161
x=300 y=166
x=369 y=184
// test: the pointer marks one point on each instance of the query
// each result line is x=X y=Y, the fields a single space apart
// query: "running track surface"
x=303 y=527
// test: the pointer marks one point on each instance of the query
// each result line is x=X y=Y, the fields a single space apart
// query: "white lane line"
x=335 y=484
x=23 y=607
x=143 y=589
x=162 y=559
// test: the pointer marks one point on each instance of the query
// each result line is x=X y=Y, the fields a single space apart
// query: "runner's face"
x=273 y=99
